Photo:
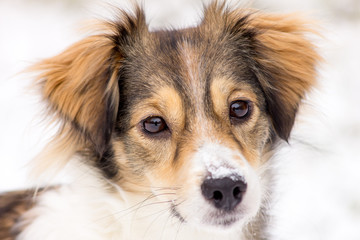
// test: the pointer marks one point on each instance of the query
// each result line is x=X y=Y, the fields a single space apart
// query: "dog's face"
x=187 y=115
x=194 y=119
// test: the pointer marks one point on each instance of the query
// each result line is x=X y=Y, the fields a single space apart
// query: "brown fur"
x=12 y=206
x=103 y=87
x=290 y=60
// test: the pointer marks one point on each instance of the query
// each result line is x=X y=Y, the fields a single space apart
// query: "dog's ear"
x=286 y=66
x=283 y=59
x=80 y=88
x=80 y=85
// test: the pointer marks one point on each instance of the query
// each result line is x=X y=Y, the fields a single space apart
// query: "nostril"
x=237 y=193
x=218 y=196
x=239 y=190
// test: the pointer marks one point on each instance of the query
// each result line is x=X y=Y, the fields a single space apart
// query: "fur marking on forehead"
x=219 y=162
x=196 y=86
x=192 y=78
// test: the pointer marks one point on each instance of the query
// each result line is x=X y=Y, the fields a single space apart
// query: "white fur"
x=219 y=161
x=87 y=209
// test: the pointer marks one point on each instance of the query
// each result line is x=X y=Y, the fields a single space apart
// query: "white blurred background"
x=318 y=195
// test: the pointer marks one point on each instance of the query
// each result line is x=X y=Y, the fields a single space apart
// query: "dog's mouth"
x=217 y=218
x=222 y=219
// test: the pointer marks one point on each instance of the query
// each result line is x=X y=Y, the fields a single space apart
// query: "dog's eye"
x=154 y=124
x=239 y=109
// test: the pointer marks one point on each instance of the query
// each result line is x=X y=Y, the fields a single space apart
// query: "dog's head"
x=187 y=114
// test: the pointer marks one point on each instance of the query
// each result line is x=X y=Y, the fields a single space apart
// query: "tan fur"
x=283 y=50
x=288 y=55
x=12 y=206
x=288 y=50
x=76 y=80
x=75 y=84
x=165 y=100
x=189 y=78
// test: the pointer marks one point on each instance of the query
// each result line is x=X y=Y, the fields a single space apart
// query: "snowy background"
x=319 y=174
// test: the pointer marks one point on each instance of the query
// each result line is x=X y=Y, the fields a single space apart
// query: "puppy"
x=169 y=132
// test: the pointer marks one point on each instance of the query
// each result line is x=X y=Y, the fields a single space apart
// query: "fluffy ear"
x=285 y=65
x=80 y=88
x=279 y=53
x=80 y=85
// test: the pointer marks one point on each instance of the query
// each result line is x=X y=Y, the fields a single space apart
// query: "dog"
x=169 y=133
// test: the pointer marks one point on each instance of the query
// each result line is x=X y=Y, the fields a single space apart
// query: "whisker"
x=155 y=187
x=164 y=226
x=178 y=229
x=158 y=215
x=150 y=204
x=134 y=207
x=154 y=203
x=165 y=209
x=139 y=206
x=153 y=196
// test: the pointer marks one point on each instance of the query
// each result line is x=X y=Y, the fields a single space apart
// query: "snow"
x=219 y=162
x=318 y=194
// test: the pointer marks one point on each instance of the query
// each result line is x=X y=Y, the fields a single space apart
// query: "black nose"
x=224 y=193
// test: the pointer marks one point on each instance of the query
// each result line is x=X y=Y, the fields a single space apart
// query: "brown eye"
x=239 y=109
x=154 y=124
